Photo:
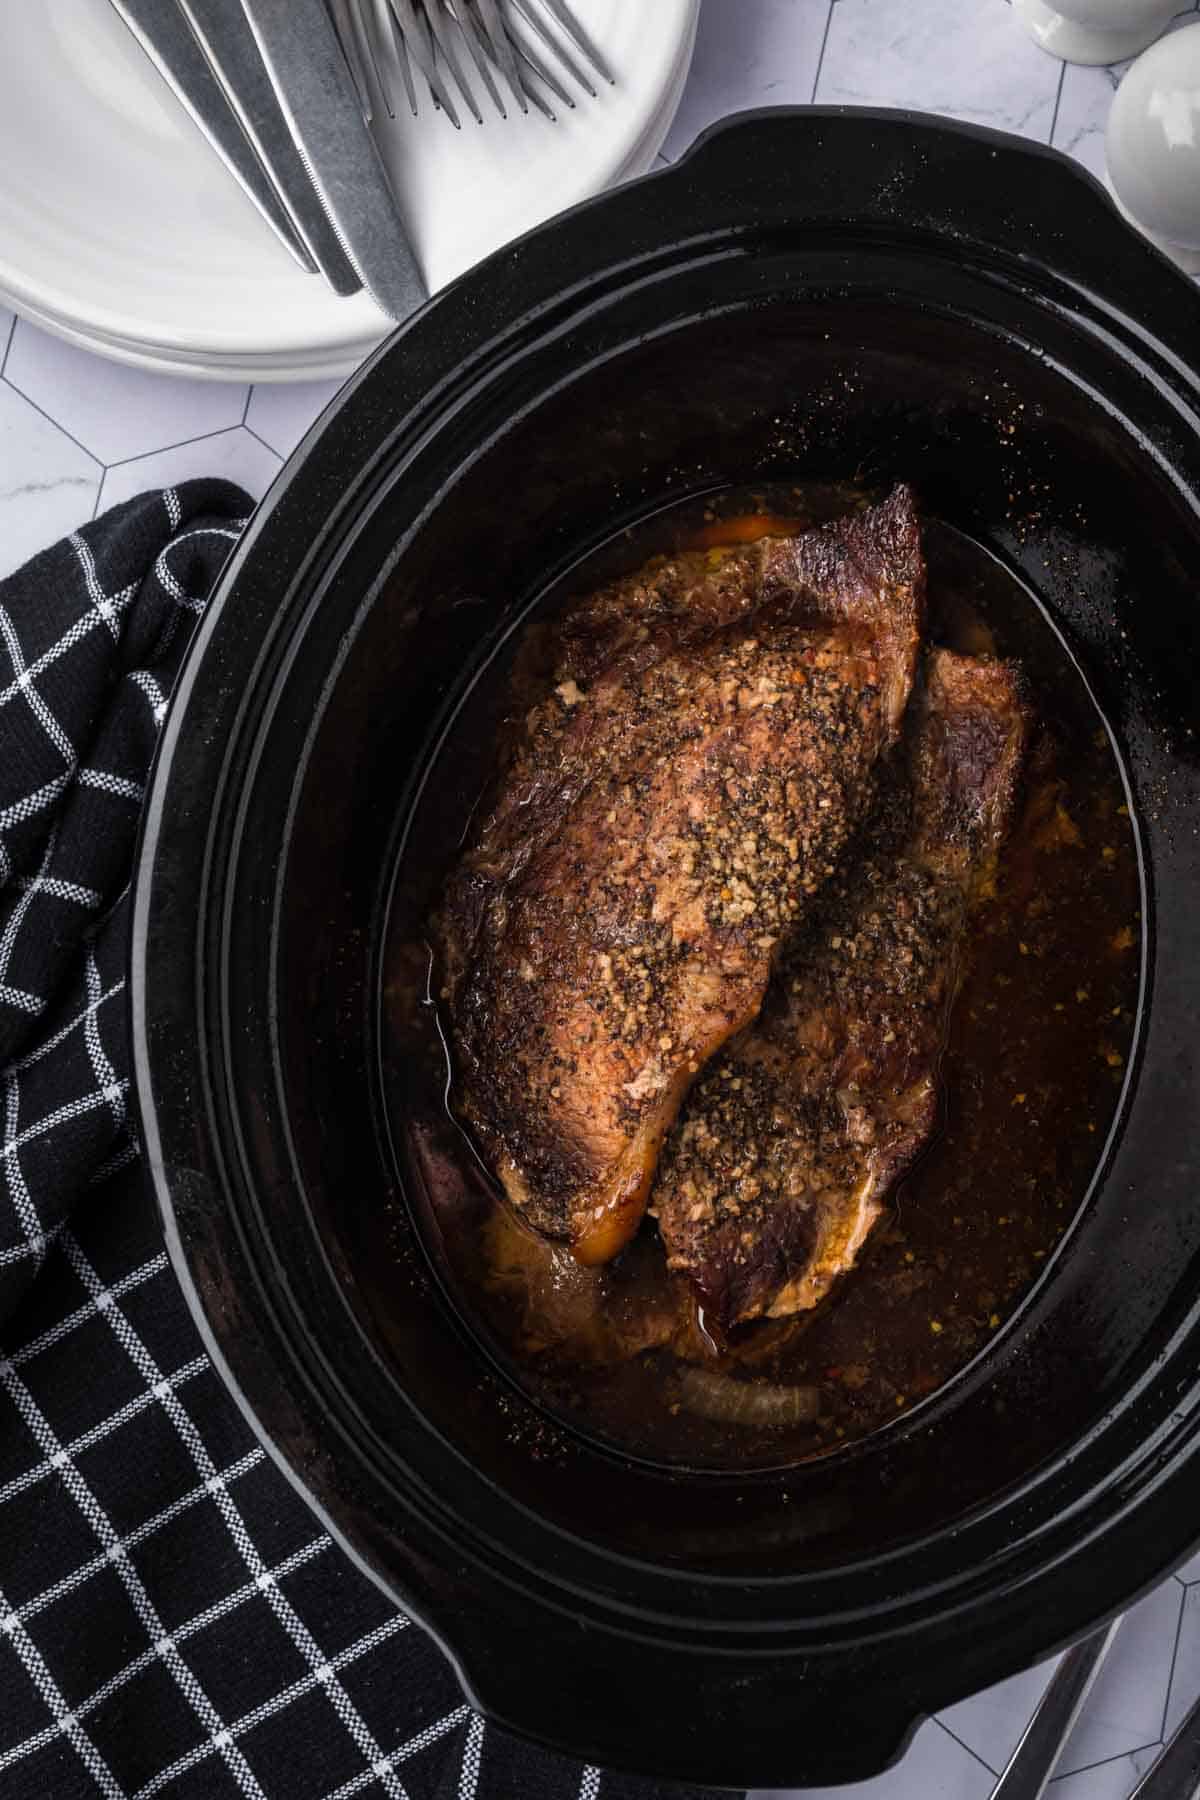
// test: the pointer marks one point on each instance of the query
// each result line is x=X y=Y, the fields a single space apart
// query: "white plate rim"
x=329 y=360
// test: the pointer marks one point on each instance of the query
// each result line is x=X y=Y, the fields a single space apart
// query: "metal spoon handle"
x=1176 y=1773
x=1033 y=1761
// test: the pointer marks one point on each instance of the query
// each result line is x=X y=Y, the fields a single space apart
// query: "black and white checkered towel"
x=172 y=1619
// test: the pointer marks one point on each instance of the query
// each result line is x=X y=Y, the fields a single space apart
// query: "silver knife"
x=166 y=37
x=228 y=44
x=316 y=90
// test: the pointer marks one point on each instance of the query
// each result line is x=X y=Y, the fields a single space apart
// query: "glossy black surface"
x=811 y=293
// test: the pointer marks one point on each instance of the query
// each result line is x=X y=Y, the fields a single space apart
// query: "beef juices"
x=939 y=1163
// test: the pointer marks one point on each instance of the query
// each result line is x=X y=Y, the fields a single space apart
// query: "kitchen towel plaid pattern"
x=172 y=1619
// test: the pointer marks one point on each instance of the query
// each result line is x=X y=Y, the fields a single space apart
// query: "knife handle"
x=166 y=38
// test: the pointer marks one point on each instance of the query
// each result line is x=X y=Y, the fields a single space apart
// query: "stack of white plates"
x=121 y=230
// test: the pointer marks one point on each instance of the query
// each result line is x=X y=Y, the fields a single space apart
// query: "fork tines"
x=513 y=39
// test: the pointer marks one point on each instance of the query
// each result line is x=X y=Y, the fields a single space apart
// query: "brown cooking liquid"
x=1032 y=1072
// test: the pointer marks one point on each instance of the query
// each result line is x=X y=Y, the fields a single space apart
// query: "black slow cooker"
x=818 y=293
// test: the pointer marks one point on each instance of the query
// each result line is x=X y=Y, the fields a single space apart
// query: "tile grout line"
x=264 y=443
x=50 y=420
x=821 y=54
x=1070 y=1774
x=1062 y=77
x=12 y=332
x=963 y=1745
x=180 y=444
x=249 y=398
x=1174 y=1659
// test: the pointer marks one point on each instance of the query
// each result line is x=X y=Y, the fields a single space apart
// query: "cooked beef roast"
x=673 y=809
x=776 y=1173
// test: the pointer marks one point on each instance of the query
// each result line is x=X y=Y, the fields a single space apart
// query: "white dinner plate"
x=121 y=230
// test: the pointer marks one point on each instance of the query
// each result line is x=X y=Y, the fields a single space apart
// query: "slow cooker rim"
x=258 y=544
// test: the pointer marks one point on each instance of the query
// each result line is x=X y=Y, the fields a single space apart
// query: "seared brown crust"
x=866 y=568
x=675 y=806
x=791 y=1139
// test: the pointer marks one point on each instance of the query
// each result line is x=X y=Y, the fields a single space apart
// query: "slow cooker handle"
x=911 y=175
x=682 y=1713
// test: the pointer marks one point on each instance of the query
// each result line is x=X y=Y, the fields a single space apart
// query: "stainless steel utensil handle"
x=1033 y=1761
x=315 y=88
x=227 y=42
x=166 y=37
x=1176 y=1773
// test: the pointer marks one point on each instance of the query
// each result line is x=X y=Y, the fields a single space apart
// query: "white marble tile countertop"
x=78 y=434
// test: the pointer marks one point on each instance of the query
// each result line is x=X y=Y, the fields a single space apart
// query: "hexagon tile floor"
x=78 y=434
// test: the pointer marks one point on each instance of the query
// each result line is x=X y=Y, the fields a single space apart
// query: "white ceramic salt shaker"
x=1095 y=31
x=1153 y=145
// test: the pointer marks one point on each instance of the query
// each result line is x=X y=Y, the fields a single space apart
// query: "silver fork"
x=432 y=40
